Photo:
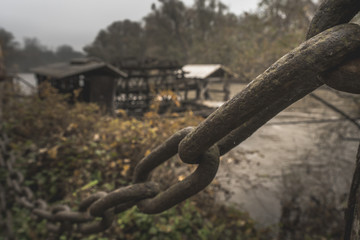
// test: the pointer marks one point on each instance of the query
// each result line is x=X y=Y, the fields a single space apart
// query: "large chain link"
x=329 y=49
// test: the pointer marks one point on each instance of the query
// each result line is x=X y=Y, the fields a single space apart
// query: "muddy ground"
x=304 y=151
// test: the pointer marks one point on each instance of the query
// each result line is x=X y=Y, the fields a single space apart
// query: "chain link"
x=289 y=79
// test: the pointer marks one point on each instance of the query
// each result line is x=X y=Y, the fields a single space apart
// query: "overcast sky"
x=77 y=22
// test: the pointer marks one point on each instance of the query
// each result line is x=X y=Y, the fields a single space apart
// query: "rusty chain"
x=332 y=46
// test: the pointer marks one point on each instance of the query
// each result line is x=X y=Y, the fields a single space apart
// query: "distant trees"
x=288 y=14
x=32 y=53
x=2 y=67
x=166 y=30
x=207 y=32
x=9 y=46
x=120 y=40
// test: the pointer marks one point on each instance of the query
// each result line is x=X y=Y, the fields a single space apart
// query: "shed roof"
x=75 y=67
x=202 y=71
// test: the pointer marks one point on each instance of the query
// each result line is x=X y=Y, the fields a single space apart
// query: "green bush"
x=189 y=221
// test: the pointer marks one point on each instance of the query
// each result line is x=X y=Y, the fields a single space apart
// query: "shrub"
x=70 y=150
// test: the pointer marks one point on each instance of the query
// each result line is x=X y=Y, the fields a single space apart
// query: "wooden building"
x=97 y=79
x=147 y=80
x=211 y=80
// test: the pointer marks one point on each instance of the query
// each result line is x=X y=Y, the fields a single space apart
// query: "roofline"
x=226 y=69
x=38 y=71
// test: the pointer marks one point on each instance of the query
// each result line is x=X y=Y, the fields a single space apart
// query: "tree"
x=264 y=36
x=34 y=54
x=214 y=33
x=66 y=52
x=166 y=30
x=203 y=33
x=122 y=39
x=288 y=14
x=207 y=32
x=9 y=47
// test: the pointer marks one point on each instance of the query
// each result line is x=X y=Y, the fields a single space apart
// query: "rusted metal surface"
x=331 y=13
x=124 y=195
x=289 y=79
x=344 y=77
x=204 y=174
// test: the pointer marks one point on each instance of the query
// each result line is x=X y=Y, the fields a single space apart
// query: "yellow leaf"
x=43 y=150
x=113 y=164
x=125 y=170
x=121 y=112
x=147 y=152
x=71 y=127
x=96 y=137
x=181 y=177
x=77 y=92
x=53 y=152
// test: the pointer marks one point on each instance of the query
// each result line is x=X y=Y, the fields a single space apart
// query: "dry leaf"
x=181 y=177
x=113 y=164
x=96 y=137
x=147 y=152
x=125 y=170
x=53 y=152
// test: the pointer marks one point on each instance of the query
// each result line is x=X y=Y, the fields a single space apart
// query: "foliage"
x=71 y=139
x=188 y=221
x=70 y=151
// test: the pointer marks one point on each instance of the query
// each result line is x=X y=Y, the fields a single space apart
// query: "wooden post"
x=226 y=87
x=186 y=89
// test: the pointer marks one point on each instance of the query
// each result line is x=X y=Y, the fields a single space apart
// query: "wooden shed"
x=97 y=79
x=147 y=79
x=212 y=80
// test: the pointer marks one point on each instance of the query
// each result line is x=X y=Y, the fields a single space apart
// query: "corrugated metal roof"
x=75 y=67
x=202 y=71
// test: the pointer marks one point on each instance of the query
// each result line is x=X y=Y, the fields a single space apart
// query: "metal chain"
x=292 y=77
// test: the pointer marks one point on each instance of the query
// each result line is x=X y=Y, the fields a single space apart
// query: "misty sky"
x=77 y=22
